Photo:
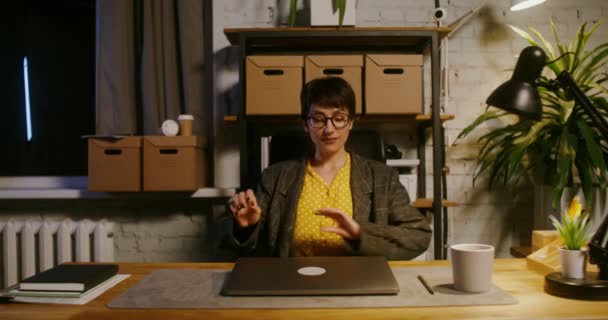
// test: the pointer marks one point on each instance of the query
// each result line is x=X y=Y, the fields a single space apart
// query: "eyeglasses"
x=339 y=120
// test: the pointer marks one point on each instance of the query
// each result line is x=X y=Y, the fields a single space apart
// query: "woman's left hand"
x=347 y=227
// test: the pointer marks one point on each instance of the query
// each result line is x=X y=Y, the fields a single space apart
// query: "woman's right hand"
x=245 y=209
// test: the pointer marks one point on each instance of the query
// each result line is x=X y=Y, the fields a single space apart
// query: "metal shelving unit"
x=421 y=40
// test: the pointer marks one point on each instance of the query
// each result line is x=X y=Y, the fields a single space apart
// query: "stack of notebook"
x=66 y=281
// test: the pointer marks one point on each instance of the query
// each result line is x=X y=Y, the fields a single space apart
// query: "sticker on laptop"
x=311 y=271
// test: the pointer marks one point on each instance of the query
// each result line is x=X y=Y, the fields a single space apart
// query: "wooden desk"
x=509 y=274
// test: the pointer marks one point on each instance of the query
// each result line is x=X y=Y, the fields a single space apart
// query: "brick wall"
x=150 y=230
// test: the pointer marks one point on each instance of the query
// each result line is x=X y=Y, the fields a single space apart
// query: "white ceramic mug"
x=472 y=267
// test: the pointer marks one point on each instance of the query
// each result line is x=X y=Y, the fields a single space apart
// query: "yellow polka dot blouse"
x=308 y=240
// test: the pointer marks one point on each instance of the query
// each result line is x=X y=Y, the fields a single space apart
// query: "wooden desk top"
x=509 y=274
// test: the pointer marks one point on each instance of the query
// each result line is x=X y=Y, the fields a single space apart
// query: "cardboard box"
x=541 y=238
x=273 y=85
x=174 y=163
x=546 y=259
x=347 y=67
x=393 y=84
x=114 y=164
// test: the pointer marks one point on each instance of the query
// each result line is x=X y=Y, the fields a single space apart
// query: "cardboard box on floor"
x=174 y=163
x=273 y=85
x=347 y=67
x=393 y=84
x=114 y=164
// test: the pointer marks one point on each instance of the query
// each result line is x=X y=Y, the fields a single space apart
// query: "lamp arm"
x=566 y=82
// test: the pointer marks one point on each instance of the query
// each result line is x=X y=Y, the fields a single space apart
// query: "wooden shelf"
x=428 y=203
x=233 y=34
x=442 y=117
x=366 y=118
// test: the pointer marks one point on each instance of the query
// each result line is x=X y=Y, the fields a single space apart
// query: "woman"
x=332 y=203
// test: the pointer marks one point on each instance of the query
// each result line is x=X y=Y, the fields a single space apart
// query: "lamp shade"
x=517 y=5
x=518 y=95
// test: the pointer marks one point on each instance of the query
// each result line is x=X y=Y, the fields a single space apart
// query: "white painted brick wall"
x=140 y=233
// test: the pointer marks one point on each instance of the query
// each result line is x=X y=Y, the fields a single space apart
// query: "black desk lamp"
x=519 y=95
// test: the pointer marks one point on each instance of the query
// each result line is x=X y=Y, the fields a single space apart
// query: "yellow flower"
x=575 y=208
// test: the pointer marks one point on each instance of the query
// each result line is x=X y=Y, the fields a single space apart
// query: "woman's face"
x=328 y=136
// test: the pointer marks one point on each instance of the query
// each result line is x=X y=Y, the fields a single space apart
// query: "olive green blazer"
x=390 y=226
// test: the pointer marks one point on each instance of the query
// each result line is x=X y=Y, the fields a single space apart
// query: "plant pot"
x=573 y=263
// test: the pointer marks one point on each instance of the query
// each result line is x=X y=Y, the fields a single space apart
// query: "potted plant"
x=339 y=6
x=564 y=147
x=573 y=230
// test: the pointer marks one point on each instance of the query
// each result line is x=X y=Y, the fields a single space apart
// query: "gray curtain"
x=149 y=65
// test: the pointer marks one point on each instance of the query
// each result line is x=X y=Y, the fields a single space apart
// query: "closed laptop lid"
x=368 y=275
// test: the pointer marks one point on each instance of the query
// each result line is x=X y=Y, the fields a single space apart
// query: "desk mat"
x=200 y=289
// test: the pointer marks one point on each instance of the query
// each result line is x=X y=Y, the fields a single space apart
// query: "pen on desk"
x=426 y=285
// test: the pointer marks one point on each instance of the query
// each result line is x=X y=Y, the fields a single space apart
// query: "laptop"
x=367 y=275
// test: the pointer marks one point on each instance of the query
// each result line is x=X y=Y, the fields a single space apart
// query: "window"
x=58 y=40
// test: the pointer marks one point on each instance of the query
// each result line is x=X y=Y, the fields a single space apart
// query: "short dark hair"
x=327 y=91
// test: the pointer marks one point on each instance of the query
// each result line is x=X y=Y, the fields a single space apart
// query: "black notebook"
x=70 y=277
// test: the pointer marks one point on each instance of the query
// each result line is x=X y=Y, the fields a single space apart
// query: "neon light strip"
x=26 y=86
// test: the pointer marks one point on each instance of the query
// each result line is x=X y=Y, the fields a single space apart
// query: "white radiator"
x=57 y=242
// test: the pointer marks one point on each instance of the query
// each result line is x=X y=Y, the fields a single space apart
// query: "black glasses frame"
x=349 y=117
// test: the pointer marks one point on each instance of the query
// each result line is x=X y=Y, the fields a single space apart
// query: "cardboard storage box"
x=541 y=238
x=393 y=84
x=348 y=67
x=273 y=85
x=114 y=164
x=174 y=163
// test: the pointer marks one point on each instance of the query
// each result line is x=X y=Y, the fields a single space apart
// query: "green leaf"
x=586 y=66
x=525 y=35
x=558 y=42
x=566 y=108
x=566 y=151
x=490 y=114
x=577 y=46
x=585 y=173
x=515 y=162
x=293 y=8
x=340 y=6
x=593 y=149
x=599 y=87
x=546 y=44
x=572 y=230
x=499 y=168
